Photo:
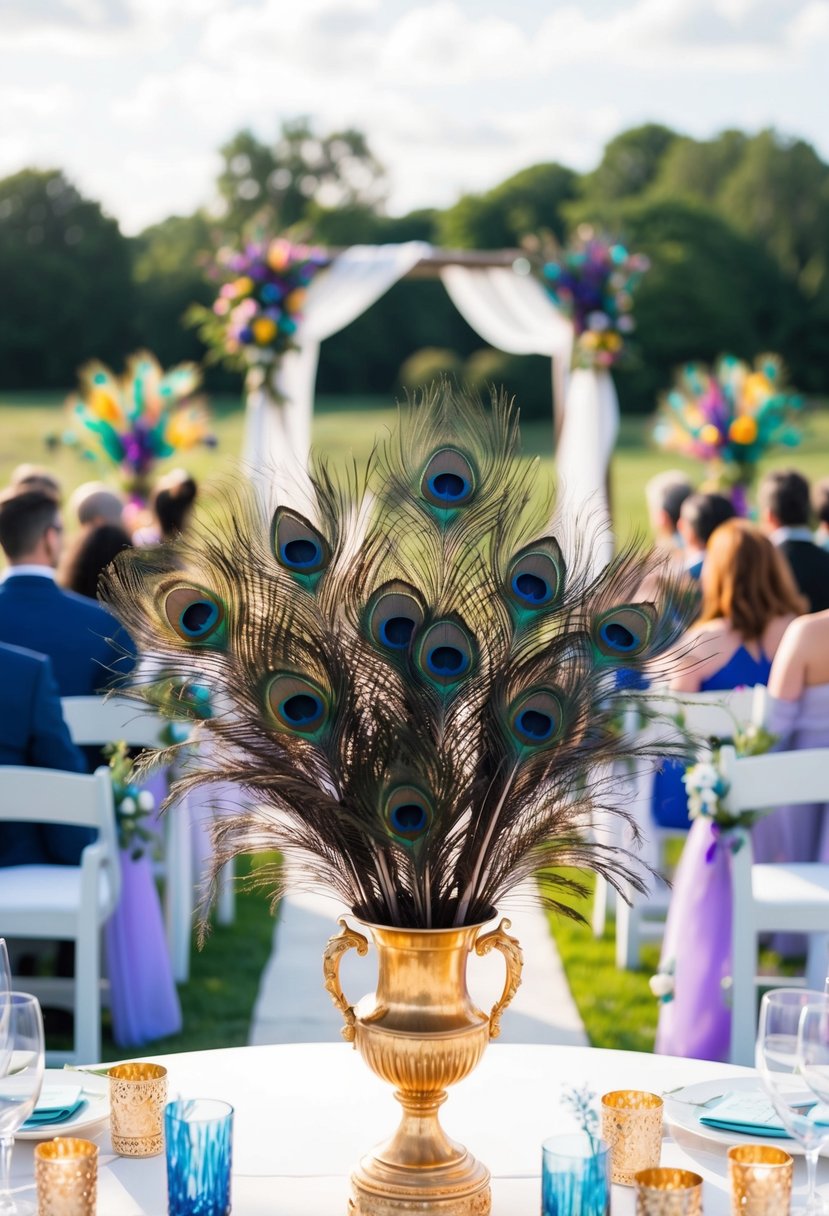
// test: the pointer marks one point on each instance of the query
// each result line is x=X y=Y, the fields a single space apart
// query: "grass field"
x=346 y=427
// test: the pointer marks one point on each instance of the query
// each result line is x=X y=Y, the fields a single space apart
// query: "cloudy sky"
x=133 y=97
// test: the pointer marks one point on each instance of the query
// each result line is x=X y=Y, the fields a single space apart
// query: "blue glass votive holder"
x=575 y=1176
x=198 y=1138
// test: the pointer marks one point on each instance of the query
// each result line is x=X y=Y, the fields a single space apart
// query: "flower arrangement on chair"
x=728 y=417
x=134 y=420
x=592 y=281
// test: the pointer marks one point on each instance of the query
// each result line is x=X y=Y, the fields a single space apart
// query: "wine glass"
x=5 y=1009
x=19 y=1089
x=780 y=1067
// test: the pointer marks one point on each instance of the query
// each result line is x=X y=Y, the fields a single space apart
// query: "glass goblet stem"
x=6 y=1201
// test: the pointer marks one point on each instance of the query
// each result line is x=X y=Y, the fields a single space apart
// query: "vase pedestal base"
x=381 y=1189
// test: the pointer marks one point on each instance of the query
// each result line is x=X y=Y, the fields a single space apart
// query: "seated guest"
x=820 y=507
x=95 y=503
x=784 y=512
x=35 y=477
x=33 y=732
x=86 y=644
x=90 y=554
x=172 y=503
x=699 y=515
x=748 y=600
x=665 y=494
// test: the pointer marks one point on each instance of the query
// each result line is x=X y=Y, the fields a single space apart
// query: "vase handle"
x=345 y=940
x=499 y=939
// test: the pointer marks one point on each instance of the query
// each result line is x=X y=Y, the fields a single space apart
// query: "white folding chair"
x=779 y=897
x=96 y=721
x=705 y=715
x=64 y=903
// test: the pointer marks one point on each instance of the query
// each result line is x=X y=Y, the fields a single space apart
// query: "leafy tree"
x=695 y=170
x=65 y=268
x=631 y=162
x=280 y=184
x=527 y=202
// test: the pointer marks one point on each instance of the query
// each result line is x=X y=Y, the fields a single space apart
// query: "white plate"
x=94 y=1110
x=679 y=1113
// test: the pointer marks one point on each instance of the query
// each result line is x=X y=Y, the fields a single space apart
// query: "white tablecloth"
x=305 y=1113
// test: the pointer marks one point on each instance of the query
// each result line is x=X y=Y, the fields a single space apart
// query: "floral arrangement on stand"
x=253 y=320
x=592 y=281
x=728 y=417
x=130 y=422
x=132 y=804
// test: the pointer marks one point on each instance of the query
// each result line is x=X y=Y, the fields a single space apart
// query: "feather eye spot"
x=302 y=708
x=624 y=632
x=447 y=661
x=297 y=705
x=448 y=480
x=408 y=813
x=618 y=636
x=301 y=553
x=535 y=725
x=531 y=588
x=397 y=632
x=194 y=614
x=409 y=818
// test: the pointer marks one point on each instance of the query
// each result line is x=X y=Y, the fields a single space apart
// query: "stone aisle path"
x=293 y=1006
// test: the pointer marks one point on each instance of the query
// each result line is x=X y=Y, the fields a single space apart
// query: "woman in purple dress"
x=749 y=600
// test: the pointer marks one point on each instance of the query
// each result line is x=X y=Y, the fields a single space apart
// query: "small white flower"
x=598 y=321
x=661 y=985
x=146 y=801
x=127 y=806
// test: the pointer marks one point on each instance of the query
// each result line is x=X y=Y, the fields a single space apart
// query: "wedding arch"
x=499 y=298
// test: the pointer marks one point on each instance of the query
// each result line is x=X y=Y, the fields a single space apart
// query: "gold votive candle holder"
x=760 y=1176
x=66 y=1177
x=664 y=1191
x=137 y=1097
x=632 y=1126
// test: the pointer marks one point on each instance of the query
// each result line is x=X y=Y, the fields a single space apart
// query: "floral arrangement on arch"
x=254 y=318
x=728 y=417
x=592 y=281
x=134 y=420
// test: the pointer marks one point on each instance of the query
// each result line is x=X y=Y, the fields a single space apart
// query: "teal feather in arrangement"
x=417 y=683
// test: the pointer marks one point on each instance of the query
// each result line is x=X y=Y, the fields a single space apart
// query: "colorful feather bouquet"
x=415 y=686
x=134 y=420
x=728 y=418
x=254 y=318
x=592 y=281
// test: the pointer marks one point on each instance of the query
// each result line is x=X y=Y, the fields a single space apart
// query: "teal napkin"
x=56 y=1104
x=751 y=1114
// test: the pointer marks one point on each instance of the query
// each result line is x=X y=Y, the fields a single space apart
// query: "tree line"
x=736 y=228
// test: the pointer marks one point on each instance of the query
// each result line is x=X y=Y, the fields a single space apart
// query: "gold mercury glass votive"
x=137 y=1097
x=632 y=1126
x=66 y=1176
x=761 y=1180
x=668 y=1192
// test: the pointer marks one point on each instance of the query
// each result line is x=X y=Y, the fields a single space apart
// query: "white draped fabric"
x=588 y=436
x=278 y=436
x=510 y=311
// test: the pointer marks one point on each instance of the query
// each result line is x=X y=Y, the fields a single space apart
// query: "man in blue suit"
x=32 y=731
x=87 y=646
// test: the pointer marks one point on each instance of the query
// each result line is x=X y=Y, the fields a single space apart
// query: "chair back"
x=94 y=721
x=706 y=715
x=45 y=795
x=758 y=783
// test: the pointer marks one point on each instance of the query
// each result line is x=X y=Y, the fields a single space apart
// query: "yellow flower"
x=294 y=301
x=755 y=391
x=710 y=435
x=613 y=341
x=743 y=430
x=589 y=340
x=277 y=255
x=243 y=286
x=264 y=330
x=104 y=406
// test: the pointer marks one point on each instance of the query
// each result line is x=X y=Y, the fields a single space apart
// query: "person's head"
x=31 y=528
x=90 y=554
x=95 y=503
x=665 y=494
x=700 y=514
x=783 y=498
x=35 y=477
x=172 y=502
x=746 y=581
x=820 y=504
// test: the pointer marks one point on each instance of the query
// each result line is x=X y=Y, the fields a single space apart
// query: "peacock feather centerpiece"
x=415 y=682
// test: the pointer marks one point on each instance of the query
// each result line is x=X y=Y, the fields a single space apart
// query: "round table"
x=305 y=1113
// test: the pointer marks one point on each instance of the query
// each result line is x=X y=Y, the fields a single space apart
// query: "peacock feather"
x=417 y=685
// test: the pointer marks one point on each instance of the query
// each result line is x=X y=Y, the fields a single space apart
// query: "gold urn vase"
x=421 y=1032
